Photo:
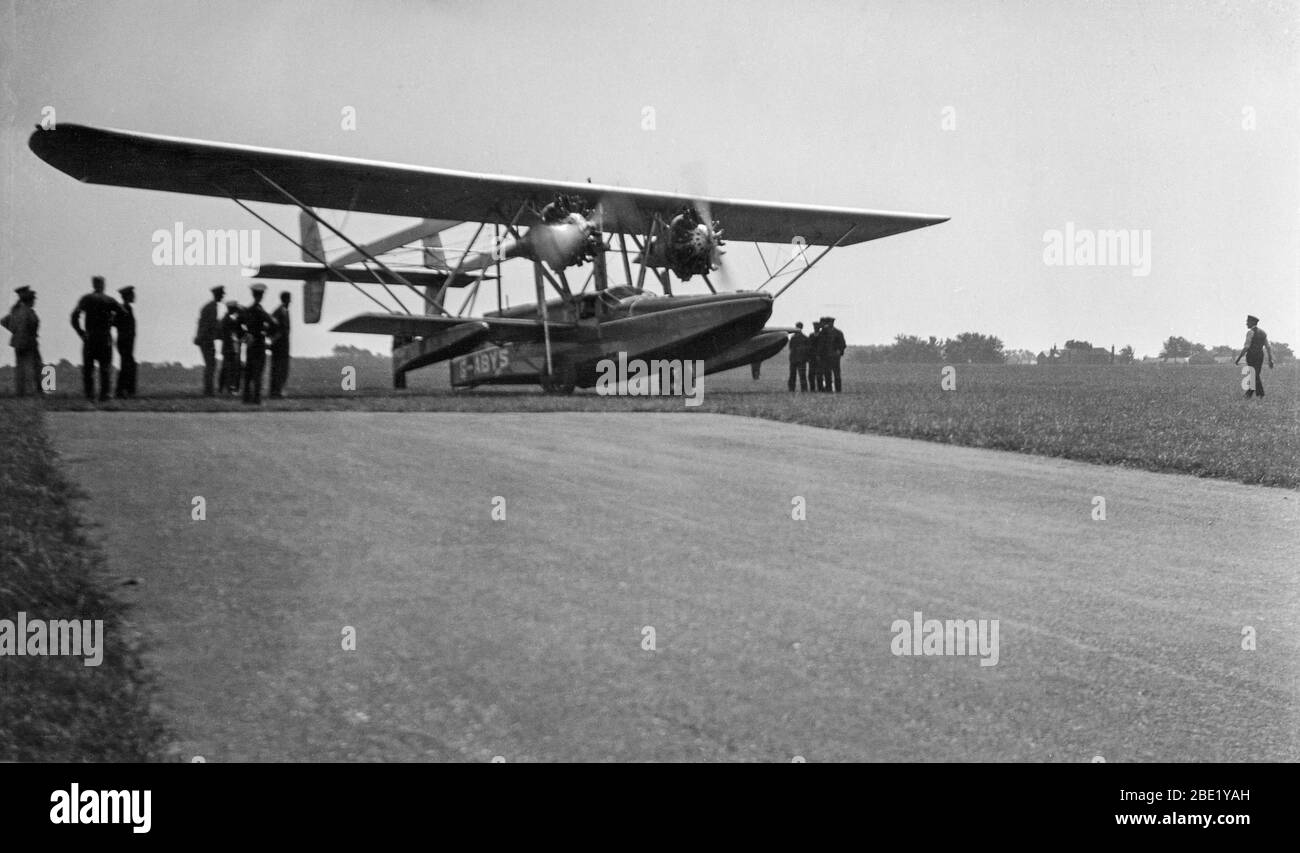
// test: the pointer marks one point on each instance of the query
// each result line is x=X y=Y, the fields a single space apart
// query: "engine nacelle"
x=565 y=237
x=562 y=244
x=692 y=245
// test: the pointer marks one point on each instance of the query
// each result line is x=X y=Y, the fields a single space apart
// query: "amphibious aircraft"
x=558 y=226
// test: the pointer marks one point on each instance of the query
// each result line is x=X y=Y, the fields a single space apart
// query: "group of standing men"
x=250 y=328
x=255 y=330
x=102 y=314
x=816 y=358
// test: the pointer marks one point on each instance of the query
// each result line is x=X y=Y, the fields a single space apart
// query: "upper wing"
x=128 y=159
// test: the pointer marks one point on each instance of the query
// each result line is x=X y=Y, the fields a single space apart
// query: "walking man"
x=100 y=311
x=206 y=338
x=1254 y=350
x=125 y=323
x=798 y=358
x=24 y=325
x=280 y=346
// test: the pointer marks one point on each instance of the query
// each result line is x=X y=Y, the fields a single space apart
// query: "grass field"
x=1187 y=419
x=54 y=708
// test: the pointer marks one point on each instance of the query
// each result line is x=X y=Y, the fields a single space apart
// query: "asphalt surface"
x=523 y=638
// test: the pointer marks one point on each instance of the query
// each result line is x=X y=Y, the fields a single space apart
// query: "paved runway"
x=523 y=638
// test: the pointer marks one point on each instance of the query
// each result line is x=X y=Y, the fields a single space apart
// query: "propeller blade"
x=724 y=279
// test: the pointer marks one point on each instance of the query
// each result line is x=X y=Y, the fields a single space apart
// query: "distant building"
x=1078 y=355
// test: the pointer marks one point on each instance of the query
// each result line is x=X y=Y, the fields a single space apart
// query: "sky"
x=1175 y=121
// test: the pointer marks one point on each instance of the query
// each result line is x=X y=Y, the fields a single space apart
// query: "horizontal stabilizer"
x=425 y=325
x=446 y=344
x=304 y=271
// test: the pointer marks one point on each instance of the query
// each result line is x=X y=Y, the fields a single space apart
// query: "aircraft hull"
x=758 y=348
x=701 y=328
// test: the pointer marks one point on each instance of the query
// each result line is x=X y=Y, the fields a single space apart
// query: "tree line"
x=977 y=348
x=966 y=348
x=1179 y=347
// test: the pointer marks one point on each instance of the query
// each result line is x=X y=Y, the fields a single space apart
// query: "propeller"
x=695 y=175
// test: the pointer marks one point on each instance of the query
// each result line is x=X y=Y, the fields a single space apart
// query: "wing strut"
x=496 y=241
x=824 y=253
x=645 y=252
x=282 y=191
x=541 y=311
x=563 y=291
x=461 y=263
x=622 y=247
x=306 y=251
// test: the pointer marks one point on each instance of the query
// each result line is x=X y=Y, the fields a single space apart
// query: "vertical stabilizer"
x=313 y=250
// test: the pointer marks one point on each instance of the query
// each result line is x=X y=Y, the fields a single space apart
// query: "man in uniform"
x=1256 y=346
x=24 y=326
x=125 y=323
x=206 y=336
x=101 y=311
x=256 y=325
x=814 y=359
x=280 y=346
x=798 y=358
x=231 y=371
x=832 y=351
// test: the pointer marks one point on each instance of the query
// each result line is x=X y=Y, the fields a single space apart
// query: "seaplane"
x=556 y=342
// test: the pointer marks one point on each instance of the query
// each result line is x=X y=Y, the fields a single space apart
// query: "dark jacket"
x=830 y=343
x=209 y=329
x=23 y=323
x=125 y=322
x=257 y=325
x=799 y=348
x=230 y=332
x=280 y=339
x=1258 y=338
x=100 y=311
